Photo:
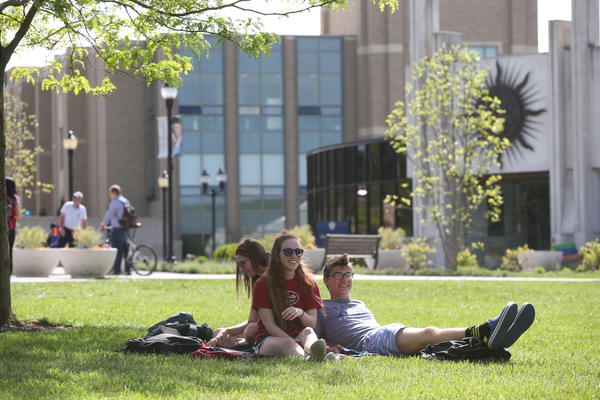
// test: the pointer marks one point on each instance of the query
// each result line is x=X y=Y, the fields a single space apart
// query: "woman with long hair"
x=287 y=299
x=13 y=212
x=251 y=260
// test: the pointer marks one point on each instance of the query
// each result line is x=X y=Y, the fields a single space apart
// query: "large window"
x=319 y=65
x=201 y=108
x=261 y=156
x=485 y=51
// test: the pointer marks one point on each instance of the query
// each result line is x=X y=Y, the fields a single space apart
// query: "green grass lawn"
x=557 y=358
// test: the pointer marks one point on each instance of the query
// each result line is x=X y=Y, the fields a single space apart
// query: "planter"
x=388 y=259
x=313 y=259
x=93 y=263
x=549 y=259
x=35 y=262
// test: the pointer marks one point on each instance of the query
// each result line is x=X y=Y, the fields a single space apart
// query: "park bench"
x=354 y=244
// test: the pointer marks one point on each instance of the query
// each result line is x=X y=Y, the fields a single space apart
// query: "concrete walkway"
x=59 y=276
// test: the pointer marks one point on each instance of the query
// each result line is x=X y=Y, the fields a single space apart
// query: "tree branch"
x=12 y=3
x=19 y=35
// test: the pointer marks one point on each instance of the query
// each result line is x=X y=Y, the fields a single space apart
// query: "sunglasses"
x=289 y=252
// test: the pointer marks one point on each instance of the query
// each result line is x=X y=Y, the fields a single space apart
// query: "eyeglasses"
x=338 y=275
x=240 y=264
x=288 y=252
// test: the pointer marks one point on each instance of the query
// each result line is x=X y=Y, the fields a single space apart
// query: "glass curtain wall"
x=201 y=109
x=319 y=66
x=261 y=153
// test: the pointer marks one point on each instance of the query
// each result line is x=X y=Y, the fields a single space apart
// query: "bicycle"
x=141 y=258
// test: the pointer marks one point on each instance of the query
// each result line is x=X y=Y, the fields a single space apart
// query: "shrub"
x=303 y=233
x=590 y=253
x=391 y=238
x=87 y=238
x=416 y=253
x=31 y=237
x=510 y=261
x=268 y=241
x=539 y=270
x=202 y=259
x=466 y=259
x=225 y=252
x=358 y=262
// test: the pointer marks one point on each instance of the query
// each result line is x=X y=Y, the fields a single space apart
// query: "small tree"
x=21 y=150
x=450 y=133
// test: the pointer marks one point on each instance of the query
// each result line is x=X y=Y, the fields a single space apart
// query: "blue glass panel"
x=308 y=62
x=273 y=142
x=271 y=63
x=212 y=142
x=307 y=43
x=211 y=89
x=250 y=190
x=328 y=139
x=308 y=123
x=189 y=93
x=247 y=63
x=273 y=191
x=190 y=123
x=271 y=89
x=212 y=124
x=330 y=62
x=250 y=169
x=189 y=190
x=248 y=89
x=331 y=123
x=302 y=170
x=250 y=142
x=331 y=89
x=309 y=110
x=273 y=170
x=250 y=124
x=272 y=110
x=491 y=51
x=214 y=110
x=308 y=89
x=189 y=169
x=308 y=141
x=211 y=61
x=190 y=109
x=249 y=110
x=191 y=142
x=331 y=110
x=334 y=44
x=273 y=123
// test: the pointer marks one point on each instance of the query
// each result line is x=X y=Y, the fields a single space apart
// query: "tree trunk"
x=5 y=305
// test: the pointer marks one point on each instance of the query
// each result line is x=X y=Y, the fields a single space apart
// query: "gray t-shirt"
x=345 y=322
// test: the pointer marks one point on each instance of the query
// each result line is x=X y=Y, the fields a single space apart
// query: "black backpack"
x=130 y=217
x=182 y=323
x=466 y=349
x=163 y=344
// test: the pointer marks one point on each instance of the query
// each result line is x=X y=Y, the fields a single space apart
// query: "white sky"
x=309 y=23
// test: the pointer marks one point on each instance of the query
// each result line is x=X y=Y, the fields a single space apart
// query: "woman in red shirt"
x=251 y=260
x=287 y=299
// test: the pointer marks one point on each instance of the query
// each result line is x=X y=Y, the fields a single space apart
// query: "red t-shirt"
x=297 y=296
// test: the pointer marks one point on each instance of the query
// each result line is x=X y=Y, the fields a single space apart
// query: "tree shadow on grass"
x=86 y=362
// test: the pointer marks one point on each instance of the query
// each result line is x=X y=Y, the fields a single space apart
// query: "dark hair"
x=338 y=261
x=259 y=257
x=275 y=283
x=11 y=186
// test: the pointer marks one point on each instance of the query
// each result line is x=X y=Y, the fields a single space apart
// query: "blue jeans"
x=118 y=240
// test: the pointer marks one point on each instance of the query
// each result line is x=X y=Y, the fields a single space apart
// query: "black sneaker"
x=499 y=325
x=523 y=321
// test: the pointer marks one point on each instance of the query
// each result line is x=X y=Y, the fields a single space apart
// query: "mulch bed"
x=32 y=325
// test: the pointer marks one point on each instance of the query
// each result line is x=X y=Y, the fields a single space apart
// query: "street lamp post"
x=163 y=184
x=70 y=144
x=169 y=94
x=205 y=179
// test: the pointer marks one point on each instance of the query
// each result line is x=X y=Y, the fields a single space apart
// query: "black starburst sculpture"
x=516 y=99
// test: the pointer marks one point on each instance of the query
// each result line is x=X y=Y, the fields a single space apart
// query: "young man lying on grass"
x=350 y=324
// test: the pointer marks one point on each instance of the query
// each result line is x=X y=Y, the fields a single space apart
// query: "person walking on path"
x=73 y=215
x=118 y=236
x=13 y=212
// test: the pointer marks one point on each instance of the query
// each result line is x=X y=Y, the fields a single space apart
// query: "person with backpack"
x=13 y=212
x=114 y=217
